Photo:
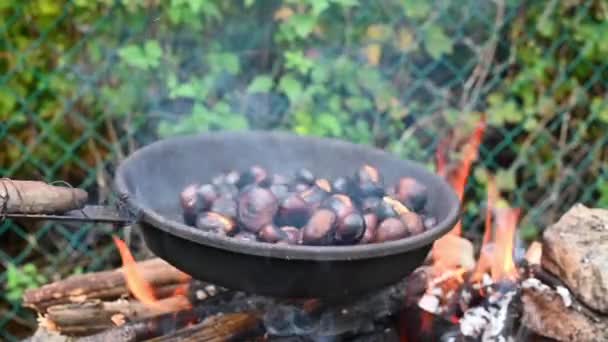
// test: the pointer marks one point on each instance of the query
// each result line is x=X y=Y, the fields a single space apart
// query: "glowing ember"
x=534 y=253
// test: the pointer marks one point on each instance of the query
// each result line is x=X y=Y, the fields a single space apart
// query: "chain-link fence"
x=84 y=83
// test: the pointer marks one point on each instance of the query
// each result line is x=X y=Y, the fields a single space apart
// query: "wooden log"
x=152 y=327
x=35 y=197
x=94 y=316
x=100 y=285
x=215 y=329
x=558 y=315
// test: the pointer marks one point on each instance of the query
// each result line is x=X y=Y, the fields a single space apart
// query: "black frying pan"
x=151 y=179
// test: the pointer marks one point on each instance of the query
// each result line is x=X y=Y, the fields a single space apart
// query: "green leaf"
x=260 y=84
x=416 y=9
x=437 y=43
x=505 y=180
x=546 y=27
x=599 y=107
x=228 y=62
x=358 y=104
x=330 y=124
x=347 y=3
x=291 y=87
x=303 y=24
x=249 y=3
x=318 y=6
x=153 y=52
x=297 y=60
x=134 y=56
x=187 y=90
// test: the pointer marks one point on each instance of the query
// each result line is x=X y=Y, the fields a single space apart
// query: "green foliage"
x=20 y=279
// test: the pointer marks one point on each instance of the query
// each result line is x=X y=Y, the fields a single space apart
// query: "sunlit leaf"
x=437 y=43
x=291 y=87
x=303 y=24
x=417 y=9
x=134 y=56
x=260 y=84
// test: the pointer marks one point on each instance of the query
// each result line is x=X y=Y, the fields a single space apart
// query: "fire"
x=462 y=174
x=503 y=266
x=452 y=250
x=139 y=287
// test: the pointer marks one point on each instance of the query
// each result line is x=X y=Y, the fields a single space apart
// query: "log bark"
x=100 y=285
x=560 y=316
x=215 y=329
x=35 y=197
x=95 y=315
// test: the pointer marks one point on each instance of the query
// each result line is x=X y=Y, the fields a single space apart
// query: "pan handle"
x=37 y=200
x=89 y=213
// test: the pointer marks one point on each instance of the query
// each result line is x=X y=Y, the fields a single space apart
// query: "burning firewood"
x=35 y=197
x=95 y=315
x=100 y=285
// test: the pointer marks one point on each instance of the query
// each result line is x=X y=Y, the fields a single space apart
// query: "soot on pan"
x=254 y=205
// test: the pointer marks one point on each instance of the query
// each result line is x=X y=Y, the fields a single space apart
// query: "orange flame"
x=462 y=174
x=139 y=287
x=503 y=266
x=534 y=253
x=484 y=263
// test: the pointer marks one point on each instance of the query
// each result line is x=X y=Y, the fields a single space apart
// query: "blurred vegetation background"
x=83 y=83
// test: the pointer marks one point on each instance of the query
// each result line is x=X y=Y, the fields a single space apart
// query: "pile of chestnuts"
x=254 y=205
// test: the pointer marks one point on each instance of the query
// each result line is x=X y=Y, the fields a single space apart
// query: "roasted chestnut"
x=245 y=236
x=323 y=184
x=350 y=229
x=225 y=205
x=370 y=204
x=232 y=177
x=411 y=193
x=299 y=187
x=191 y=203
x=369 y=182
x=384 y=210
x=341 y=185
x=293 y=211
x=314 y=196
x=255 y=174
x=371 y=224
x=279 y=179
x=256 y=207
x=292 y=235
x=301 y=209
x=305 y=176
x=271 y=233
x=413 y=222
x=429 y=222
x=217 y=223
x=391 y=229
x=340 y=204
x=280 y=191
x=320 y=228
